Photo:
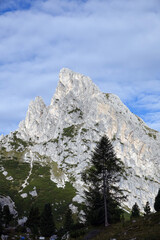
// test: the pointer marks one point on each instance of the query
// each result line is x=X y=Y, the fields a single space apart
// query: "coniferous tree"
x=94 y=209
x=1 y=220
x=68 y=221
x=157 y=202
x=7 y=215
x=33 y=220
x=147 y=209
x=135 y=211
x=103 y=197
x=47 y=225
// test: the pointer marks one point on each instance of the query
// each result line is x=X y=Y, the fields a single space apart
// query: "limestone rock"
x=79 y=115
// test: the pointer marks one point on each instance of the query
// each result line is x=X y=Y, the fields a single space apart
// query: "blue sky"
x=116 y=43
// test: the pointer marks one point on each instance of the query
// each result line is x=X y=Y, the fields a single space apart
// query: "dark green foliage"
x=147 y=208
x=114 y=210
x=47 y=226
x=7 y=216
x=33 y=221
x=105 y=171
x=157 y=202
x=94 y=209
x=95 y=213
x=68 y=221
x=135 y=211
x=77 y=110
x=18 y=143
x=77 y=233
x=69 y=131
x=1 y=220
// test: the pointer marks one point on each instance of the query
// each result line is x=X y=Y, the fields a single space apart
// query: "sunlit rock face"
x=68 y=129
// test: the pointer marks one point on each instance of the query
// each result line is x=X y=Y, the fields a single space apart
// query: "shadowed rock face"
x=67 y=130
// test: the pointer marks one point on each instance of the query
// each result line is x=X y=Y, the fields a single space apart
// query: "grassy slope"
x=143 y=228
x=47 y=190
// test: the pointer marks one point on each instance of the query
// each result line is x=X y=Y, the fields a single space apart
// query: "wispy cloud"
x=14 y=5
x=115 y=42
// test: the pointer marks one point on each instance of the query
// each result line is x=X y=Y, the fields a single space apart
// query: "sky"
x=114 y=42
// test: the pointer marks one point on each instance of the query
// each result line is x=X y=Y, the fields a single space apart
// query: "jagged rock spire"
x=74 y=83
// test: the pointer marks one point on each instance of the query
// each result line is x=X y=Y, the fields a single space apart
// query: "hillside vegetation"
x=12 y=164
x=143 y=228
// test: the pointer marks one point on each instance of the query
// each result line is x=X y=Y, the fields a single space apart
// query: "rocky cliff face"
x=67 y=131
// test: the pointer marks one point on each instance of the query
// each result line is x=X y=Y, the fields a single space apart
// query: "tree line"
x=39 y=224
x=147 y=209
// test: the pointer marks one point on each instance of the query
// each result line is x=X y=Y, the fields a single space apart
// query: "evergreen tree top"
x=135 y=211
x=157 y=202
x=104 y=158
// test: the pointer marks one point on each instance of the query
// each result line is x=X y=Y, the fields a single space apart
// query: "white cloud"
x=153 y=120
x=115 y=42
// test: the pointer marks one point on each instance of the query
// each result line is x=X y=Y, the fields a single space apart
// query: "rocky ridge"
x=67 y=131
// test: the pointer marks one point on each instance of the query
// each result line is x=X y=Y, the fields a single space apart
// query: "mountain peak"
x=34 y=115
x=79 y=115
x=74 y=84
x=67 y=74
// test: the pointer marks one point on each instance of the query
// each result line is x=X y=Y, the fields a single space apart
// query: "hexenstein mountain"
x=43 y=160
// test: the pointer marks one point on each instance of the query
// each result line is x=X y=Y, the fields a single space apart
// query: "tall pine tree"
x=68 y=220
x=135 y=211
x=157 y=202
x=1 y=220
x=33 y=220
x=103 y=197
x=7 y=215
x=47 y=225
x=147 y=209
